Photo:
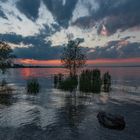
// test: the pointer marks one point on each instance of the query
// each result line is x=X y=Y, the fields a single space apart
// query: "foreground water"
x=55 y=115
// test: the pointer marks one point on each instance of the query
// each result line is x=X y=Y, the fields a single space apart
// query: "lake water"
x=54 y=115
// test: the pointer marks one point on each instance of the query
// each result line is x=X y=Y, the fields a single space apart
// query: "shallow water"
x=55 y=115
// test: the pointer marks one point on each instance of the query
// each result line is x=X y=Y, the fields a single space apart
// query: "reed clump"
x=88 y=81
x=106 y=82
x=33 y=86
x=69 y=84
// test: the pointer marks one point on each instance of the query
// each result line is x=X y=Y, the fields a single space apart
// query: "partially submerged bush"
x=90 y=81
x=33 y=86
x=58 y=79
x=69 y=84
x=107 y=82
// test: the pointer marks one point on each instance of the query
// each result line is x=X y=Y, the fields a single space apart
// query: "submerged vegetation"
x=106 y=82
x=87 y=81
x=33 y=86
x=69 y=84
x=90 y=81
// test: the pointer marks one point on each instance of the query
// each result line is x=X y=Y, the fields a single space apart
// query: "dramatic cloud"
x=29 y=8
x=2 y=14
x=61 y=10
x=119 y=14
x=17 y=22
x=116 y=49
x=39 y=52
x=32 y=47
x=35 y=28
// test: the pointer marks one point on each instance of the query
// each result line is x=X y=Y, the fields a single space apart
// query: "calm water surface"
x=55 y=115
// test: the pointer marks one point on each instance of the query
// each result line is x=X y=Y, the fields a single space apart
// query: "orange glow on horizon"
x=31 y=72
x=39 y=62
x=89 y=62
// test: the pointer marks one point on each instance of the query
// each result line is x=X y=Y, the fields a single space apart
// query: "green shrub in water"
x=33 y=86
x=69 y=84
x=58 y=79
x=106 y=82
x=90 y=81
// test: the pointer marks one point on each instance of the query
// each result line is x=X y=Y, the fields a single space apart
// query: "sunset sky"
x=38 y=30
x=96 y=62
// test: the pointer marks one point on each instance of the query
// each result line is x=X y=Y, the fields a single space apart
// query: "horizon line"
x=100 y=61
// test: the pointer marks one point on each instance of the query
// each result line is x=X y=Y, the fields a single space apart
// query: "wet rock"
x=111 y=121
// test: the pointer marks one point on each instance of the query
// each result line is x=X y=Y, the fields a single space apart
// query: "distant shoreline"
x=63 y=67
x=38 y=67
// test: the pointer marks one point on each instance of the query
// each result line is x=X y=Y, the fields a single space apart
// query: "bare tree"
x=6 y=56
x=72 y=57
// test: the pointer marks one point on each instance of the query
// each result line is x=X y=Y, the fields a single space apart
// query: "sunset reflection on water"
x=118 y=73
x=41 y=72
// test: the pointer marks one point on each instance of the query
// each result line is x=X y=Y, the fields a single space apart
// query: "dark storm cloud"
x=115 y=14
x=120 y=14
x=112 y=51
x=29 y=8
x=2 y=15
x=132 y=49
x=38 y=48
x=3 y=0
x=12 y=38
x=45 y=52
x=62 y=13
x=85 y=22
